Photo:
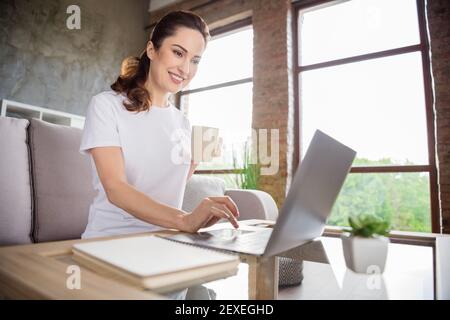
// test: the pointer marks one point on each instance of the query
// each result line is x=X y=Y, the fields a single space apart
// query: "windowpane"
x=230 y=110
x=356 y=27
x=226 y=58
x=402 y=198
x=377 y=107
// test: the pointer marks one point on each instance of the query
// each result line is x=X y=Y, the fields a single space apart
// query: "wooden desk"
x=40 y=271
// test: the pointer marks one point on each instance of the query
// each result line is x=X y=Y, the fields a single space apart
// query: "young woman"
x=129 y=134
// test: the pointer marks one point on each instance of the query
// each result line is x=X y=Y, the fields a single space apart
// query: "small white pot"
x=365 y=255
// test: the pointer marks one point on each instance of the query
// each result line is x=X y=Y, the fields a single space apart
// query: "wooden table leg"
x=262 y=278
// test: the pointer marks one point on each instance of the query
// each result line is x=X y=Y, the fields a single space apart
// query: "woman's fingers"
x=223 y=212
x=211 y=221
x=227 y=202
x=211 y=210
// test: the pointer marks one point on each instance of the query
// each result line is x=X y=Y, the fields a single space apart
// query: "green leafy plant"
x=367 y=226
x=247 y=174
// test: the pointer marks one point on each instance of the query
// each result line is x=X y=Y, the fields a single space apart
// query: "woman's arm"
x=111 y=171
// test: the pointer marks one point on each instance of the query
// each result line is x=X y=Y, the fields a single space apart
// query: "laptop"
x=308 y=204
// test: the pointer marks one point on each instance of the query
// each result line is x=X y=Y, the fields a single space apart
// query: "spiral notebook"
x=155 y=263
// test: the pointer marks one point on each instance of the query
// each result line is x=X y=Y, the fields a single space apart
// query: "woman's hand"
x=209 y=211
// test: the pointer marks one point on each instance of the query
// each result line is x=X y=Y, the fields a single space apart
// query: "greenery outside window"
x=363 y=77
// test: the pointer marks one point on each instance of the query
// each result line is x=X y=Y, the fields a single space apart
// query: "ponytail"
x=131 y=81
x=129 y=67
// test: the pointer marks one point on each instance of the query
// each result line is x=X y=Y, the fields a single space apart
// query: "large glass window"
x=356 y=27
x=220 y=96
x=361 y=80
x=376 y=106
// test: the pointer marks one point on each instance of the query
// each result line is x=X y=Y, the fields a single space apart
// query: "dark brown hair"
x=134 y=70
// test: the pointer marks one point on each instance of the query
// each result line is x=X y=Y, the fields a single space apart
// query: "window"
x=363 y=78
x=220 y=95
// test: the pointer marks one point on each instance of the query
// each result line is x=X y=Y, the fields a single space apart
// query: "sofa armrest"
x=254 y=204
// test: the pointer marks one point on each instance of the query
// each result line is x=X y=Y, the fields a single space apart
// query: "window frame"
x=423 y=47
x=219 y=32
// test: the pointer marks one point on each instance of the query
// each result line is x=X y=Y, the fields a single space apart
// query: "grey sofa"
x=45 y=185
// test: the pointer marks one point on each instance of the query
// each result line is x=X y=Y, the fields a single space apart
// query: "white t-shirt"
x=156 y=150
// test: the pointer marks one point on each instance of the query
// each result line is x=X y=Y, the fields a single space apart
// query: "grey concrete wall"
x=44 y=63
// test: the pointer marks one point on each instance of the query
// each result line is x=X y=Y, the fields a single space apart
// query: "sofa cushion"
x=199 y=187
x=15 y=184
x=62 y=182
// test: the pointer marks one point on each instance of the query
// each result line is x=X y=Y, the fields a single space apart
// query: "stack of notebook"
x=156 y=263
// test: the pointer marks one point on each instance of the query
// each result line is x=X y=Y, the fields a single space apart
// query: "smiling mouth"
x=176 y=77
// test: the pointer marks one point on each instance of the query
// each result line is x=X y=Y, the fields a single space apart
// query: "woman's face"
x=175 y=63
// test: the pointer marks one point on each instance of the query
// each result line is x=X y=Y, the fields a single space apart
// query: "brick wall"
x=438 y=14
x=273 y=105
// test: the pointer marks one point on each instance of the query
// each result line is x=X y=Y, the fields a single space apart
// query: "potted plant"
x=365 y=244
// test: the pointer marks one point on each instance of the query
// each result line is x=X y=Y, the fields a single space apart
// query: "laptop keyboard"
x=244 y=241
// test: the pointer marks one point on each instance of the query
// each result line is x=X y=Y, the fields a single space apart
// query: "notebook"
x=156 y=263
